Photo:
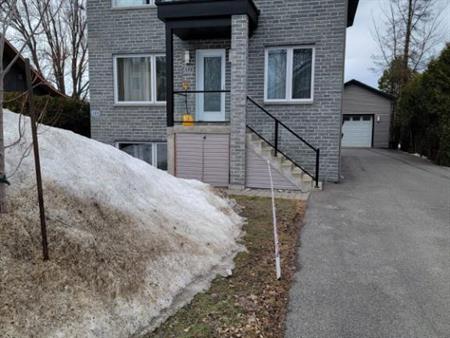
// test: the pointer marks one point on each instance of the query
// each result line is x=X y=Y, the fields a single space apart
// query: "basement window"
x=154 y=153
x=289 y=75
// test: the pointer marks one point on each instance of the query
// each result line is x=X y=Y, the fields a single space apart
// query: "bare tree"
x=24 y=24
x=407 y=35
x=9 y=10
x=60 y=51
x=56 y=39
x=77 y=24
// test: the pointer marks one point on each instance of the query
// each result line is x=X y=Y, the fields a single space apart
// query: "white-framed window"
x=289 y=75
x=140 y=79
x=154 y=153
x=132 y=3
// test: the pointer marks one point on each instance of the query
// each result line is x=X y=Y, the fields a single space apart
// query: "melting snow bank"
x=129 y=244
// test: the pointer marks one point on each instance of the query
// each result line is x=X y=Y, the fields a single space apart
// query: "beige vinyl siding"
x=257 y=174
x=204 y=157
x=189 y=160
x=362 y=101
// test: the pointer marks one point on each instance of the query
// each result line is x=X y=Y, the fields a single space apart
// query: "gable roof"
x=369 y=88
x=352 y=7
x=42 y=84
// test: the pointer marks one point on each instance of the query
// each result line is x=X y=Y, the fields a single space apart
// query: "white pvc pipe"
x=275 y=228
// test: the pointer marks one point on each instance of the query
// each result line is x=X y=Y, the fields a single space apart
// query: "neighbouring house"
x=367 y=114
x=15 y=79
x=216 y=89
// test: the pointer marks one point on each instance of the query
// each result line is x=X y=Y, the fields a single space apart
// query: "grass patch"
x=250 y=303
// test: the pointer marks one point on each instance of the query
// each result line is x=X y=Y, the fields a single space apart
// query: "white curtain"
x=135 y=79
x=276 y=77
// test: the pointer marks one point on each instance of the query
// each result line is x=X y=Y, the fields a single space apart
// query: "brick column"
x=239 y=65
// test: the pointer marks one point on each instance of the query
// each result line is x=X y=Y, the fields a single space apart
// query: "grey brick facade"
x=319 y=23
x=239 y=70
x=115 y=32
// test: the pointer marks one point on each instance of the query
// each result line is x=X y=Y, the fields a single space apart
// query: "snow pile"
x=129 y=244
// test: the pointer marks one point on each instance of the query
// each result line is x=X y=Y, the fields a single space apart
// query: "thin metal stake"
x=37 y=161
x=276 y=138
x=275 y=228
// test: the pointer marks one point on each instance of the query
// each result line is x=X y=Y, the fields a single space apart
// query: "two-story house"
x=217 y=90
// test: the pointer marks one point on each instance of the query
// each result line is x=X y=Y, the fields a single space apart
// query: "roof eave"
x=195 y=15
x=352 y=8
x=369 y=88
x=43 y=83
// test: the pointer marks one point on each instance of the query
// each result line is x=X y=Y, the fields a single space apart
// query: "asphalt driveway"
x=375 y=252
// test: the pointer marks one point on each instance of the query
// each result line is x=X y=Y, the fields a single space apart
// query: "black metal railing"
x=284 y=140
x=201 y=107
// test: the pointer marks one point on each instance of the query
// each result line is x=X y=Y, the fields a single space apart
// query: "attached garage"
x=367 y=114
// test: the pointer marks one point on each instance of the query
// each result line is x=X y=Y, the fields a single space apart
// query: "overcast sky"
x=361 y=45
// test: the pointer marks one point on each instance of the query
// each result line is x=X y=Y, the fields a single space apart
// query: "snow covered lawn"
x=129 y=244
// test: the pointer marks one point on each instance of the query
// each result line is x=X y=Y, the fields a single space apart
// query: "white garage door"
x=357 y=130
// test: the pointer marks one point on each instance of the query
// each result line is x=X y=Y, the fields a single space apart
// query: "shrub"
x=436 y=88
x=423 y=114
x=62 y=112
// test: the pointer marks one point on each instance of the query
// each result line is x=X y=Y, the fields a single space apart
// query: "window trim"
x=154 y=145
x=150 y=5
x=289 y=75
x=153 y=101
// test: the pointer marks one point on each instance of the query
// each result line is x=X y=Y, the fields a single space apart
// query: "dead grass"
x=251 y=303
x=102 y=255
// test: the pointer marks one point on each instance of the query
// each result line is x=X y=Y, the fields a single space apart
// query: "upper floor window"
x=132 y=3
x=289 y=74
x=140 y=79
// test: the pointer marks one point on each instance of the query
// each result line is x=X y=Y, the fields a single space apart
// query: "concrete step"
x=287 y=164
x=307 y=178
x=288 y=169
x=296 y=170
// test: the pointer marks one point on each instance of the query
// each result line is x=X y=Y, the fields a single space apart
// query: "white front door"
x=210 y=76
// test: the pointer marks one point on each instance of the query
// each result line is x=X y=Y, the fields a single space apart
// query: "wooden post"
x=37 y=161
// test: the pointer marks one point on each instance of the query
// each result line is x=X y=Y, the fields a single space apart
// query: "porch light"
x=187 y=57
